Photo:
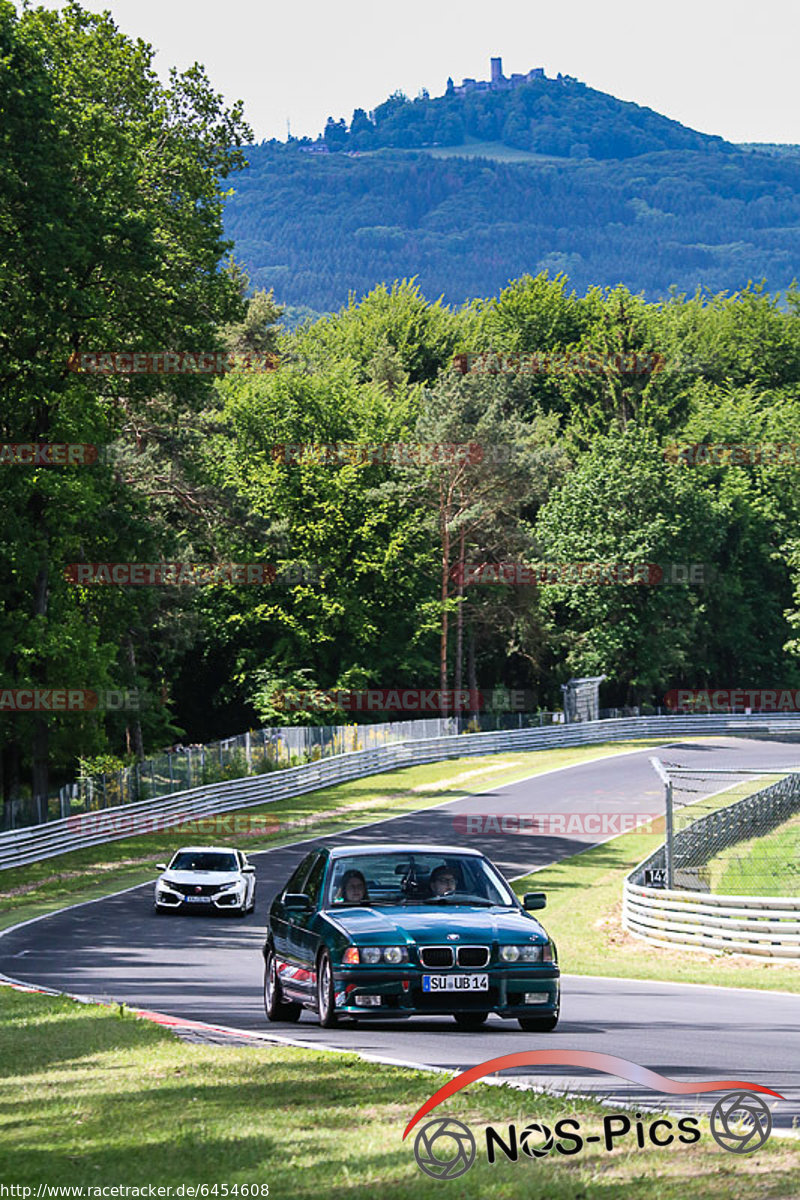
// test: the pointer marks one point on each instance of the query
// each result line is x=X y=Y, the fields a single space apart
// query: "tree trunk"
x=471 y=674
x=445 y=524
x=40 y=771
x=10 y=768
x=138 y=740
x=457 y=674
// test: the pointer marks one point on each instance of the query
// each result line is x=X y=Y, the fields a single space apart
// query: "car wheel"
x=470 y=1020
x=276 y=1008
x=326 y=1008
x=538 y=1024
x=159 y=911
x=242 y=910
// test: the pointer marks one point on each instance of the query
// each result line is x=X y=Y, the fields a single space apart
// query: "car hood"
x=214 y=878
x=433 y=923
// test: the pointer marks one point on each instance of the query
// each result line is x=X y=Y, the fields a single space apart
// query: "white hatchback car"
x=205 y=878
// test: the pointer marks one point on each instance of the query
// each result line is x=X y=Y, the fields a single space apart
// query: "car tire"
x=470 y=1020
x=326 y=1006
x=538 y=1024
x=276 y=1008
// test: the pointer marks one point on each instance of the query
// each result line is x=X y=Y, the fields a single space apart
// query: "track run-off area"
x=210 y=968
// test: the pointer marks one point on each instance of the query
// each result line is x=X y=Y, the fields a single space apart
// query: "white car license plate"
x=197 y=899
x=455 y=983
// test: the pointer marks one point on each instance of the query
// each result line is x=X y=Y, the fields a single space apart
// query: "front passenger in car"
x=353 y=889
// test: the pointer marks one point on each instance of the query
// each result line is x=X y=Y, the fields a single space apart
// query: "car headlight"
x=525 y=953
x=375 y=954
x=395 y=954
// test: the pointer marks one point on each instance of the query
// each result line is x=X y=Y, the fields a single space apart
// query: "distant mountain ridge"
x=468 y=191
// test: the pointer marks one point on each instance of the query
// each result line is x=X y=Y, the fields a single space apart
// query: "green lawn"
x=764 y=866
x=99 y=870
x=90 y=1097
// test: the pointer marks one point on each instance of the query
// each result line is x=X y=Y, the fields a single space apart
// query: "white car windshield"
x=203 y=860
x=416 y=878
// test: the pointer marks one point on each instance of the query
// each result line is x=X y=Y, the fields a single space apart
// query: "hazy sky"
x=720 y=66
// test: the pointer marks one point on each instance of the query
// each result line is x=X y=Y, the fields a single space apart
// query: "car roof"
x=206 y=850
x=401 y=848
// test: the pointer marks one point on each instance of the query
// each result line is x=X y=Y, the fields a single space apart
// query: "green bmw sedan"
x=393 y=931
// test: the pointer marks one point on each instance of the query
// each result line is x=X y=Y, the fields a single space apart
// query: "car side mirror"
x=296 y=902
x=534 y=900
x=248 y=870
x=161 y=866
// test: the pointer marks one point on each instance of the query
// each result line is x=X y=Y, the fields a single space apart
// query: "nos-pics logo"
x=741 y=1121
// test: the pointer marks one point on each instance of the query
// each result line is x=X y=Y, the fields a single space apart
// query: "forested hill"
x=316 y=226
x=547 y=116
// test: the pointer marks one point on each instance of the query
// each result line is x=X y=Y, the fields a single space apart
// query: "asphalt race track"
x=209 y=968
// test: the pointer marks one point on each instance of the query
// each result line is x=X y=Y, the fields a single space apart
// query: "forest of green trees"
x=464 y=227
x=112 y=200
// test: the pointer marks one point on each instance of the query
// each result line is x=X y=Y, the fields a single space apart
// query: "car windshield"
x=203 y=860
x=409 y=877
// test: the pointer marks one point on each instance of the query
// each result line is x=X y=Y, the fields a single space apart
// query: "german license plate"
x=455 y=983
x=197 y=899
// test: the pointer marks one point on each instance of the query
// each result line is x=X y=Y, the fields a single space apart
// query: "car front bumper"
x=219 y=901
x=526 y=991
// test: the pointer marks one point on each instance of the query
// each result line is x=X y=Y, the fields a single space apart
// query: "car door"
x=303 y=937
x=281 y=921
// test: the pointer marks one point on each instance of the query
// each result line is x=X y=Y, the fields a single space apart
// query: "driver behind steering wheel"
x=443 y=881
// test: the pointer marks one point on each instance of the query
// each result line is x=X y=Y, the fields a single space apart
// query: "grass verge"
x=762 y=866
x=89 y=1097
x=45 y=886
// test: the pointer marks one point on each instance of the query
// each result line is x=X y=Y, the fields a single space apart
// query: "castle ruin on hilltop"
x=499 y=82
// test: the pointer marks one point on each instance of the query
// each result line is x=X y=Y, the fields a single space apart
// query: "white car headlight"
x=524 y=953
x=376 y=954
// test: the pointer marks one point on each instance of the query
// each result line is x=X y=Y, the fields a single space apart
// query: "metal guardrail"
x=21 y=846
x=755 y=926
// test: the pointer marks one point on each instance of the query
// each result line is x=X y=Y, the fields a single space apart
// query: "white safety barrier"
x=33 y=843
x=758 y=926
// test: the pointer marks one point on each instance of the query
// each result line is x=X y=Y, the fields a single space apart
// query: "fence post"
x=658 y=767
x=668 y=842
